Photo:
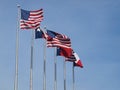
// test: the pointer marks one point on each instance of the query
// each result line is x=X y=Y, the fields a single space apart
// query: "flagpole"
x=17 y=47
x=55 y=70
x=64 y=75
x=31 y=62
x=73 y=77
x=44 y=67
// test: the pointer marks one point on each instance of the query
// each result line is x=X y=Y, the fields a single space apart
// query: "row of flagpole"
x=31 y=62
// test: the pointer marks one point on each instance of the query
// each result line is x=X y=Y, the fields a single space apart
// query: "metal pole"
x=73 y=77
x=64 y=75
x=55 y=71
x=17 y=47
x=31 y=63
x=44 y=67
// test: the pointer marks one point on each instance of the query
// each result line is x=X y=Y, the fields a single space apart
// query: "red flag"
x=78 y=61
x=64 y=52
x=75 y=59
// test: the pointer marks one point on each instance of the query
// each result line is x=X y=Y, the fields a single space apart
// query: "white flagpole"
x=44 y=67
x=17 y=47
x=64 y=75
x=31 y=62
x=73 y=77
x=55 y=70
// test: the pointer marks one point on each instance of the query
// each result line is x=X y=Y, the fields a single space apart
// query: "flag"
x=55 y=39
x=63 y=52
x=75 y=59
x=39 y=33
x=78 y=61
x=31 y=19
x=59 y=52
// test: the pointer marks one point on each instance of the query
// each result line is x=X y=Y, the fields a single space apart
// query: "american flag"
x=57 y=40
x=31 y=19
x=62 y=41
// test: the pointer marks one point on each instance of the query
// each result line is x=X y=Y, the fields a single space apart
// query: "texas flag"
x=72 y=58
x=78 y=61
x=39 y=33
x=64 y=52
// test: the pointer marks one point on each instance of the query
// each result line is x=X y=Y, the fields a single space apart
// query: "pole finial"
x=18 y=5
x=45 y=27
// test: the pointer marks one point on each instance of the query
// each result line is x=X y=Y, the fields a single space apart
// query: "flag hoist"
x=17 y=49
x=55 y=70
x=41 y=33
x=44 y=57
x=27 y=20
x=64 y=75
x=76 y=62
x=62 y=41
x=31 y=20
x=74 y=58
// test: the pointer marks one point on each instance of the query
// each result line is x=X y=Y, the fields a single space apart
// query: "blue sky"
x=94 y=29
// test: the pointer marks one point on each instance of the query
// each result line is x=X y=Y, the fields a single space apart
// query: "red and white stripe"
x=33 y=21
x=75 y=59
x=78 y=61
x=59 y=41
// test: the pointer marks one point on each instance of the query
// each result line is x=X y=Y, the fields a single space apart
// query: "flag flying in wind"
x=75 y=59
x=55 y=39
x=71 y=58
x=63 y=52
x=31 y=19
x=39 y=33
x=78 y=61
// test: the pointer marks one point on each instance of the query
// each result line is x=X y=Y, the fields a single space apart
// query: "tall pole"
x=17 y=47
x=31 y=62
x=73 y=77
x=64 y=75
x=44 y=67
x=55 y=71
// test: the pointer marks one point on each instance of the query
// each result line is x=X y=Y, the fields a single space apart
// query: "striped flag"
x=31 y=19
x=78 y=61
x=75 y=59
x=59 y=40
